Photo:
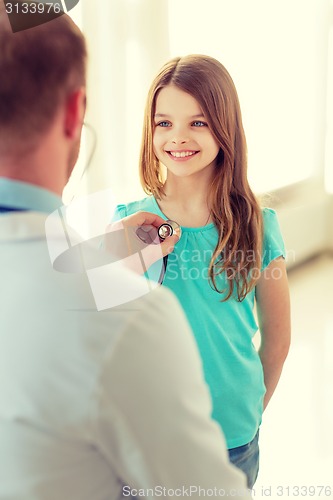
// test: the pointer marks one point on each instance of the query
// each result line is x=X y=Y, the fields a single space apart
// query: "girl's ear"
x=74 y=113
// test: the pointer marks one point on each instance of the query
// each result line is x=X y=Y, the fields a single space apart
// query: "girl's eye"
x=163 y=124
x=199 y=124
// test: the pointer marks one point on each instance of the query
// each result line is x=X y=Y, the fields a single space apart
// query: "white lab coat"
x=95 y=405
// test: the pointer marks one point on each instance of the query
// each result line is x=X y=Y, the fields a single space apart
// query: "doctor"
x=93 y=405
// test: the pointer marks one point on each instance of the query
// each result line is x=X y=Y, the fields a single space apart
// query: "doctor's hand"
x=138 y=233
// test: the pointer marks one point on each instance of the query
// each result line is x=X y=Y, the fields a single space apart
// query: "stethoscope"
x=165 y=230
x=169 y=228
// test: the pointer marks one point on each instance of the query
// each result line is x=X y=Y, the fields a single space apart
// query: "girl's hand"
x=138 y=234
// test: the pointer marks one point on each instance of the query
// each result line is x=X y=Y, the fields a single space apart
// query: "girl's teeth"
x=182 y=154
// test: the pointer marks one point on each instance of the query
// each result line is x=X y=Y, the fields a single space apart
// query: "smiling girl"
x=230 y=257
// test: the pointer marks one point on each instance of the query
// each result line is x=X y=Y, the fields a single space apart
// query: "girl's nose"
x=176 y=140
x=180 y=137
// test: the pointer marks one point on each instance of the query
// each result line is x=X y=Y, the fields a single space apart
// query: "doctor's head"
x=42 y=88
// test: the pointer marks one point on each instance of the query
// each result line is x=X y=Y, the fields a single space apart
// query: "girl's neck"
x=189 y=190
x=186 y=202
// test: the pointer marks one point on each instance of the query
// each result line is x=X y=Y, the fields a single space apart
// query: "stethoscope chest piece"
x=169 y=228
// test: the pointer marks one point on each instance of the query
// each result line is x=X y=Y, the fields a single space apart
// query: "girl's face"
x=182 y=140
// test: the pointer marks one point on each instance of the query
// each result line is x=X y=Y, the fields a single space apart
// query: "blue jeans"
x=246 y=458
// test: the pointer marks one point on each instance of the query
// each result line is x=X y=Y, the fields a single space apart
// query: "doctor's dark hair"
x=235 y=209
x=39 y=68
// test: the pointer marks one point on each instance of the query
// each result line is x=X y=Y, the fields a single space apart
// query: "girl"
x=230 y=256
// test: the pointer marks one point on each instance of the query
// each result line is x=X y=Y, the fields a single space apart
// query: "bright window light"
x=277 y=68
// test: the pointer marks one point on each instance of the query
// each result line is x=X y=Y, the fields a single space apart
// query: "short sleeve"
x=273 y=244
x=119 y=213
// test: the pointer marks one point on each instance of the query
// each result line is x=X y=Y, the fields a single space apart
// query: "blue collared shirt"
x=24 y=196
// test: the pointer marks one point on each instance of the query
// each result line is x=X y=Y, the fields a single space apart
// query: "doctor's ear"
x=75 y=108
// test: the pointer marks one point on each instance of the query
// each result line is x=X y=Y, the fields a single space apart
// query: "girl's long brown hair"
x=234 y=207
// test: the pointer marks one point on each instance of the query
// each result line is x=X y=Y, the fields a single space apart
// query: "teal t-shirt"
x=223 y=330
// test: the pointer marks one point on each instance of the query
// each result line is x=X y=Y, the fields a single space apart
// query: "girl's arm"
x=273 y=307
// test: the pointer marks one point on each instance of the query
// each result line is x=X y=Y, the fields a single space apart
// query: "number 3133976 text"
x=33 y=8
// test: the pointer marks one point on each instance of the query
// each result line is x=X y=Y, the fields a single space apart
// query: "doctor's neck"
x=41 y=168
x=44 y=162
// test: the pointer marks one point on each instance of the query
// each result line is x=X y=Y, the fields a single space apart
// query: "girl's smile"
x=182 y=155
